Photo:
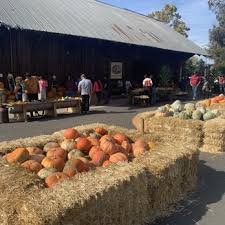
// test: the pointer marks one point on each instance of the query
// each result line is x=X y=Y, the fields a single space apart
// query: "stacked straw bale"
x=214 y=135
x=188 y=132
x=124 y=194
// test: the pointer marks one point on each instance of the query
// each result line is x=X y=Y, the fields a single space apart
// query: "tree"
x=169 y=15
x=217 y=35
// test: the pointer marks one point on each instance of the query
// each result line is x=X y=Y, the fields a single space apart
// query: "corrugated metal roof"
x=93 y=19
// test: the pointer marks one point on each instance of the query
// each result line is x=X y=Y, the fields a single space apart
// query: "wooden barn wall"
x=50 y=54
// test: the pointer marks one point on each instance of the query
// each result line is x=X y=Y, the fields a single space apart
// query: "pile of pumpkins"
x=186 y=111
x=211 y=101
x=77 y=153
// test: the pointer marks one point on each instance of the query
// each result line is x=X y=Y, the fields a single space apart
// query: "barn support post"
x=11 y=50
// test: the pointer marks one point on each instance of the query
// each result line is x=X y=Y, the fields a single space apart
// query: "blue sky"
x=194 y=12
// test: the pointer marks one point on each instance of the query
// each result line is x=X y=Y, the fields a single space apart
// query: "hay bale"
x=124 y=194
x=170 y=128
x=139 y=120
x=214 y=132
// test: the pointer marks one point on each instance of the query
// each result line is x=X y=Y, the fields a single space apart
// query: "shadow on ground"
x=211 y=187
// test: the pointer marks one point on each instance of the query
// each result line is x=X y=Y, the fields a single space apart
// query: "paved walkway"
x=205 y=207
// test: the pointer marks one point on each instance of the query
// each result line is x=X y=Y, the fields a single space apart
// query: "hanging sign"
x=116 y=70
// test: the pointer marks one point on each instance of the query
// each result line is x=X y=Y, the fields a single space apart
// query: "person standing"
x=70 y=87
x=195 y=81
x=153 y=92
x=85 y=90
x=43 y=85
x=32 y=87
x=106 y=90
x=97 y=89
x=221 y=80
x=18 y=89
x=128 y=86
x=147 y=85
x=206 y=88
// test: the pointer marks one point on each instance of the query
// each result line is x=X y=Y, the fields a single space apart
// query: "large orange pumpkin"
x=101 y=131
x=34 y=150
x=99 y=157
x=119 y=137
x=118 y=157
x=53 y=162
x=109 y=148
x=32 y=165
x=94 y=141
x=93 y=150
x=19 y=155
x=54 y=179
x=57 y=153
x=84 y=144
x=71 y=133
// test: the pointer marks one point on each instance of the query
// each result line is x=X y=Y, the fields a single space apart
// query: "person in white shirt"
x=85 y=90
x=147 y=85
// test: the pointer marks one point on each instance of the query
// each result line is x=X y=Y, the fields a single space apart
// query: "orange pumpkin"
x=222 y=101
x=54 y=179
x=99 y=157
x=34 y=150
x=127 y=146
x=32 y=165
x=139 y=151
x=106 y=163
x=38 y=157
x=94 y=141
x=141 y=143
x=108 y=147
x=93 y=150
x=73 y=167
x=214 y=100
x=50 y=145
x=101 y=131
x=19 y=155
x=57 y=153
x=107 y=138
x=119 y=137
x=84 y=144
x=71 y=134
x=53 y=162
x=118 y=157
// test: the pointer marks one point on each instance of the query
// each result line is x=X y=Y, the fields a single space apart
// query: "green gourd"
x=197 y=115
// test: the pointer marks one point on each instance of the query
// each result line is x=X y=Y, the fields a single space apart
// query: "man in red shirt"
x=221 y=80
x=195 y=80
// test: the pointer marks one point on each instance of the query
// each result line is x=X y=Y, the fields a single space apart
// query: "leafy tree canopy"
x=169 y=15
x=217 y=35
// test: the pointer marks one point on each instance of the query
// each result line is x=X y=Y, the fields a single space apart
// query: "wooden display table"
x=142 y=100
x=50 y=107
